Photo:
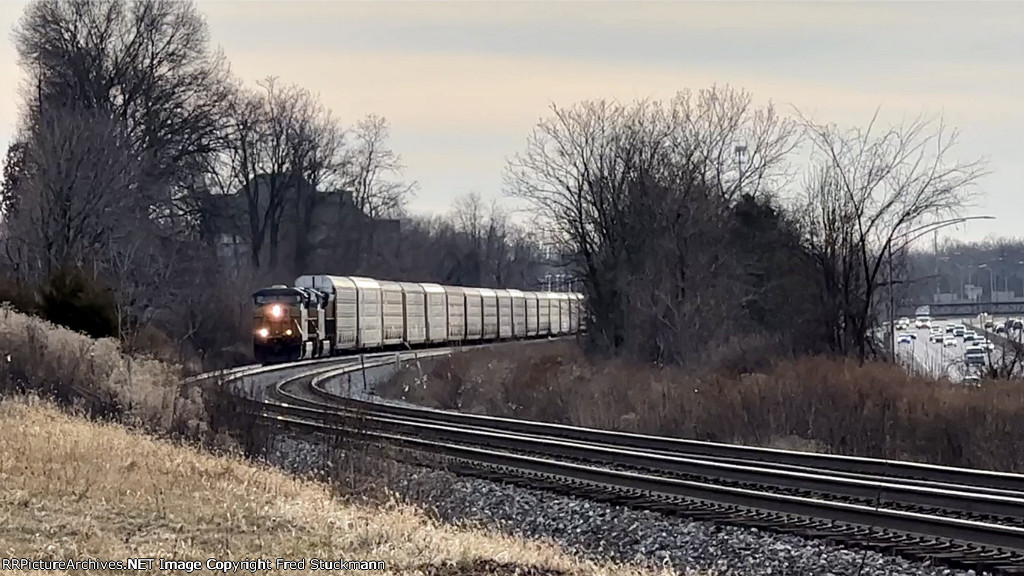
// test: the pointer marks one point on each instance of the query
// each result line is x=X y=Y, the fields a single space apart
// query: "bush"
x=70 y=299
x=96 y=373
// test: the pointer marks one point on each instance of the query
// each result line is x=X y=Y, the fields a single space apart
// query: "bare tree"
x=317 y=146
x=731 y=145
x=272 y=132
x=371 y=194
x=146 y=64
x=14 y=168
x=868 y=189
x=641 y=196
x=482 y=243
x=372 y=166
x=80 y=186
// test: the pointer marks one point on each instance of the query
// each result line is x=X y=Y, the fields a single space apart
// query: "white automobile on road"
x=975 y=355
x=949 y=341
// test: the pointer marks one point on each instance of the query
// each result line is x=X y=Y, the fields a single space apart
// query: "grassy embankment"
x=817 y=404
x=77 y=488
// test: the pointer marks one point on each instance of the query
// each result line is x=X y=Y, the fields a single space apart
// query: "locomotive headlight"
x=288 y=332
x=276 y=311
x=263 y=332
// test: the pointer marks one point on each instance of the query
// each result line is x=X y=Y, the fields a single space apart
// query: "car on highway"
x=970 y=336
x=949 y=341
x=972 y=379
x=923 y=322
x=974 y=356
x=906 y=338
x=959 y=330
x=985 y=343
x=936 y=335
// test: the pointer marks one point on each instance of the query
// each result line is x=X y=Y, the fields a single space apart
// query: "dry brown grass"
x=818 y=404
x=79 y=489
x=38 y=356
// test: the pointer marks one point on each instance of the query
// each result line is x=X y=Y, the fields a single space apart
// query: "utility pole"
x=892 y=308
x=935 y=248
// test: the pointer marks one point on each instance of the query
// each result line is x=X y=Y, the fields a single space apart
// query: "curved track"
x=963 y=517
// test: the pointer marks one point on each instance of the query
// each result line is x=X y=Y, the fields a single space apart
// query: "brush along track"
x=951 y=519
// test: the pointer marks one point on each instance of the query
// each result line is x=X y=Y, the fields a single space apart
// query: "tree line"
x=136 y=144
x=673 y=215
x=949 y=269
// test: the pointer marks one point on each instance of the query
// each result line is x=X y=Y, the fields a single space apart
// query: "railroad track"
x=961 y=517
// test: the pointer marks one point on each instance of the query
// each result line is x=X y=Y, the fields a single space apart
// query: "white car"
x=985 y=343
x=974 y=355
x=949 y=341
x=970 y=336
x=936 y=336
x=905 y=339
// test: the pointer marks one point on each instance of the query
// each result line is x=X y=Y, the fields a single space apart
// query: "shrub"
x=36 y=355
x=70 y=299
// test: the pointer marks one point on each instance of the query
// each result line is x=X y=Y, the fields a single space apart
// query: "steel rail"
x=993 y=482
x=476 y=446
x=880 y=491
x=987 y=535
x=965 y=498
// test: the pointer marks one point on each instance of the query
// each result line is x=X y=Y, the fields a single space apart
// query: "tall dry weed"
x=41 y=357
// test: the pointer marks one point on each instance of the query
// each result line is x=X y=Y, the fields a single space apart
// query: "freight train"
x=331 y=315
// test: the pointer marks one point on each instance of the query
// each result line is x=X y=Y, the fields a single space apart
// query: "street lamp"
x=919 y=231
x=741 y=152
x=1021 y=263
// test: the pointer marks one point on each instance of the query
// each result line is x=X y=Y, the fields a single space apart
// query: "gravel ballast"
x=609 y=532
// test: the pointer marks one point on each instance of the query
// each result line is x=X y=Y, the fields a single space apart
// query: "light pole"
x=1021 y=263
x=991 y=297
x=918 y=232
x=741 y=151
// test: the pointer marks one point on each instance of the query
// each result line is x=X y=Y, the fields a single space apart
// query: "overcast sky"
x=463 y=82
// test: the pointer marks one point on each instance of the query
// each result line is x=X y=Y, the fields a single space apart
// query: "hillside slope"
x=74 y=489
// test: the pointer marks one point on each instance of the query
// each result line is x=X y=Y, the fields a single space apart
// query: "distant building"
x=227 y=226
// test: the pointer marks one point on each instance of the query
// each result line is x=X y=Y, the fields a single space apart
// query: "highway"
x=937 y=359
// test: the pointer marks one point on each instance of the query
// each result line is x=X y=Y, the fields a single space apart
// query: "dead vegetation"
x=114 y=494
x=100 y=378
x=813 y=403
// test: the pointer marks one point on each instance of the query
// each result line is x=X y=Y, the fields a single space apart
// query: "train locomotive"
x=325 y=315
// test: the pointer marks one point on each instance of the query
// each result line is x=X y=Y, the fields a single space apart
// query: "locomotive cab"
x=289 y=323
